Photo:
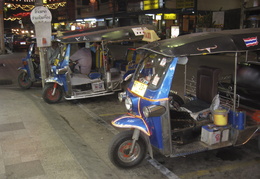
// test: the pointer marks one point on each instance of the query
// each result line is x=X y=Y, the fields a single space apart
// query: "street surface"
x=84 y=128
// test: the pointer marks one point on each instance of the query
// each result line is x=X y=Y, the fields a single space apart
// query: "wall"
x=204 y=5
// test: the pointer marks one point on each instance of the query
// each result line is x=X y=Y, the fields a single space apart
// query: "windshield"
x=19 y=38
x=151 y=70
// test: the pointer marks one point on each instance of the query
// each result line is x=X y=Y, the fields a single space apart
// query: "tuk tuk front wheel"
x=52 y=93
x=24 y=81
x=119 y=150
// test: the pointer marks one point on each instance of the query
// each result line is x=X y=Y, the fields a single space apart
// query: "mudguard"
x=129 y=121
x=54 y=80
x=22 y=69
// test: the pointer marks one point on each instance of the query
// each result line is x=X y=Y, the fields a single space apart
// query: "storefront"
x=251 y=14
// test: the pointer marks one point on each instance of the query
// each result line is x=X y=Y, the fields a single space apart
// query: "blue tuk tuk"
x=215 y=112
x=106 y=75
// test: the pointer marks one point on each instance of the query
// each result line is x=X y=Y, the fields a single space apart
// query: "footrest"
x=181 y=119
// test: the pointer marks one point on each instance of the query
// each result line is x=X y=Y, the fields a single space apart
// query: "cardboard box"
x=211 y=134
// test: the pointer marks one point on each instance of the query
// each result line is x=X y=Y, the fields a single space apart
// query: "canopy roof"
x=73 y=32
x=127 y=33
x=207 y=43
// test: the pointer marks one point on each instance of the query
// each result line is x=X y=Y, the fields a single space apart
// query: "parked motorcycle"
x=30 y=71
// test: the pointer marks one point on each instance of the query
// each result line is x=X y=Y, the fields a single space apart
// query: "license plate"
x=139 y=88
x=22 y=43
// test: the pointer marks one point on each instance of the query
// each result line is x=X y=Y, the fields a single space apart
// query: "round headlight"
x=121 y=96
x=128 y=104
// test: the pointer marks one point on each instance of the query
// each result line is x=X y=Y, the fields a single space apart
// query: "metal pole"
x=43 y=65
x=41 y=52
x=2 y=44
x=114 y=11
x=185 y=79
x=196 y=14
x=235 y=84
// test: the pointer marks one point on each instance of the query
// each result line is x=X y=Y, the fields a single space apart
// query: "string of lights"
x=13 y=6
x=12 y=18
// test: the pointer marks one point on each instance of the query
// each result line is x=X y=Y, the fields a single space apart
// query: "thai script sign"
x=41 y=18
x=40 y=14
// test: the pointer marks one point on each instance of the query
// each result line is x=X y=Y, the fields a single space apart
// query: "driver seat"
x=184 y=120
x=206 y=89
x=206 y=94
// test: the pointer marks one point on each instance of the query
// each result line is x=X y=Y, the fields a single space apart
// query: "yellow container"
x=220 y=117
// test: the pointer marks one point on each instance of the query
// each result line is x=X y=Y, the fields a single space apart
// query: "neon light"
x=23 y=14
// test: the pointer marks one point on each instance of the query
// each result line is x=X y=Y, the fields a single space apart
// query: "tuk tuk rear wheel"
x=120 y=147
x=48 y=96
x=24 y=81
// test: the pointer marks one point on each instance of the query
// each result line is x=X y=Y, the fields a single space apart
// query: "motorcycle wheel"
x=24 y=81
x=120 y=147
x=47 y=93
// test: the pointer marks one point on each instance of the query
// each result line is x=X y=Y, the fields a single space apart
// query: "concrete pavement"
x=29 y=146
x=42 y=141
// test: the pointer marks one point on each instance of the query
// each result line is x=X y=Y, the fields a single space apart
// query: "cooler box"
x=211 y=134
x=237 y=119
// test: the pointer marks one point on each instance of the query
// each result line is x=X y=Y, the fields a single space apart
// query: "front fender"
x=129 y=121
x=54 y=80
x=22 y=69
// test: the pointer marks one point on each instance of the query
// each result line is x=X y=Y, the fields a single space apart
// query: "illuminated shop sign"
x=171 y=16
x=152 y=4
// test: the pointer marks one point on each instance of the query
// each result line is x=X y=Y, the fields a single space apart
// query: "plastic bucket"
x=220 y=117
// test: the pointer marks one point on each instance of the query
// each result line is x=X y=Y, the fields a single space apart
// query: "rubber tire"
x=24 y=84
x=176 y=101
x=114 y=150
x=47 y=90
